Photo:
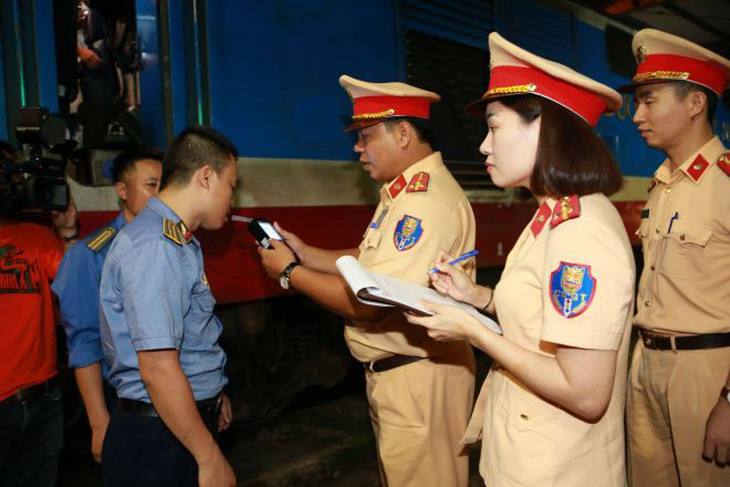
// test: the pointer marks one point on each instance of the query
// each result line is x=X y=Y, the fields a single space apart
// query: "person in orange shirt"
x=31 y=413
x=551 y=411
x=420 y=391
x=679 y=394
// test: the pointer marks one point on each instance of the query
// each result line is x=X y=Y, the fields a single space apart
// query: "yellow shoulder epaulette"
x=170 y=230
x=101 y=239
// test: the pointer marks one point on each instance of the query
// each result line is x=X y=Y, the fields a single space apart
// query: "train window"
x=618 y=51
x=460 y=74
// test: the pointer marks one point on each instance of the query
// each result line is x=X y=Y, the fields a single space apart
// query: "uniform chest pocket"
x=372 y=239
x=687 y=251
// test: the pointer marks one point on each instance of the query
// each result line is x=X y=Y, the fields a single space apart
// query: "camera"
x=38 y=181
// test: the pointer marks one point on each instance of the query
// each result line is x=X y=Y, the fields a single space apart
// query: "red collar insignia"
x=419 y=183
x=697 y=167
x=567 y=208
x=397 y=186
x=541 y=218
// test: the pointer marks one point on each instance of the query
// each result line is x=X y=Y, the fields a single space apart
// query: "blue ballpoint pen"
x=457 y=260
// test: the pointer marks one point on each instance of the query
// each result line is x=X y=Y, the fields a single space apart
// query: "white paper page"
x=358 y=279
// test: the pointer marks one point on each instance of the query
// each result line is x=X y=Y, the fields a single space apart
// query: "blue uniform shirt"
x=154 y=295
x=77 y=287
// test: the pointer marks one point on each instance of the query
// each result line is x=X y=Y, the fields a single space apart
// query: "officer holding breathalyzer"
x=420 y=391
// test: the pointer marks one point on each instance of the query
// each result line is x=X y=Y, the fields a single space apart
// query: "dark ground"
x=324 y=438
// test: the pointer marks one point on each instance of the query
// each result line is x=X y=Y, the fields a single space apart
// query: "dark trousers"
x=141 y=451
x=31 y=437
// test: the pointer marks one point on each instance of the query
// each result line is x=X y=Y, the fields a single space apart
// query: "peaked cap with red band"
x=374 y=102
x=663 y=57
x=515 y=71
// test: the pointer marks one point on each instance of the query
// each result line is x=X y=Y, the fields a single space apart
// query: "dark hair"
x=421 y=126
x=571 y=158
x=193 y=148
x=7 y=151
x=125 y=161
x=683 y=88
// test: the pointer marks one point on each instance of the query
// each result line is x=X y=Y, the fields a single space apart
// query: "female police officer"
x=551 y=409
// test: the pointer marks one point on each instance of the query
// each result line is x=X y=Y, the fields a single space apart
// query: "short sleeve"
x=154 y=295
x=77 y=288
x=588 y=285
x=417 y=230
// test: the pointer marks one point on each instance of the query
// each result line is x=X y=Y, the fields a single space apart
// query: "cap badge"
x=641 y=53
x=510 y=90
x=371 y=116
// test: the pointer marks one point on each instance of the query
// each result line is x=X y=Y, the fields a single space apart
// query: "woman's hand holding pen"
x=452 y=280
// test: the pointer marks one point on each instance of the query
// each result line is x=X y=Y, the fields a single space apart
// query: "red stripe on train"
x=235 y=274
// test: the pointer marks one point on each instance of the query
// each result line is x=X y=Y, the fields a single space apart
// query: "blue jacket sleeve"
x=77 y=288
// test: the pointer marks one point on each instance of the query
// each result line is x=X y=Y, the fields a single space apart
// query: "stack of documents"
x=380 y=290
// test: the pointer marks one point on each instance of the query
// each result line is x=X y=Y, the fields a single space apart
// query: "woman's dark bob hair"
x=571 y=158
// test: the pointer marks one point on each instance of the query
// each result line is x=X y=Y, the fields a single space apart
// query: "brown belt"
x=31 y=392
x=704 y=341
x=388 y=363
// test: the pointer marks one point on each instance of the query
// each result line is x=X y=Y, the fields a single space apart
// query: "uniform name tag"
x=379 y=220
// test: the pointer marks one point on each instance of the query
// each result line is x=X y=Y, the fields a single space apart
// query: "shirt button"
x=647 y=303
x=656 y=230
x=653 y=267
x=668 y=190
x=683 y=237
x=524 y=417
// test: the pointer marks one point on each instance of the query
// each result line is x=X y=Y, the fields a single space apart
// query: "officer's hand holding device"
x=262 y=230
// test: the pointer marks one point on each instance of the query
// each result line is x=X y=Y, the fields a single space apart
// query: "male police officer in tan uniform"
x=420 y=391
x=679 y=402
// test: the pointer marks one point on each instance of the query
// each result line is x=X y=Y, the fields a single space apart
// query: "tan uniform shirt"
x=685 y=234
x=422 y=211
x=573 y=285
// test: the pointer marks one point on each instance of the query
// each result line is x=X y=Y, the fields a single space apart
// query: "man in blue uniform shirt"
x=159 y=334
x=136 y=174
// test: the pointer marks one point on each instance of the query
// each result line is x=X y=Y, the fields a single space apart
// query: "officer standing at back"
x=159 y=334
x=420 y=391
x=136 y=174
x=679 y=393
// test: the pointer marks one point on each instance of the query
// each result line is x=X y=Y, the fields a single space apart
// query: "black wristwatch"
x=285 y=278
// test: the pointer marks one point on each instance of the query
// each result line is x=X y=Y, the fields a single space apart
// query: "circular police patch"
x=572 y=288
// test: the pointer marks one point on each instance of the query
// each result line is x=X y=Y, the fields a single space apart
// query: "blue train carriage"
x=265 y=74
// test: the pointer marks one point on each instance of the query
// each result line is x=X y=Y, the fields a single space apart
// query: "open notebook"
x=379 y=290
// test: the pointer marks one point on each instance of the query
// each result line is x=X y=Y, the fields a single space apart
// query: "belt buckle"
x=369 y=366
x=649 y=340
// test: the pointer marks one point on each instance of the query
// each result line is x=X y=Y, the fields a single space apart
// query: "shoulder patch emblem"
x=170 y=230
x=724 y=163
x=408 y=232
x=419 y=183
x=567 y=208
x=572 y=288
x=101 y=239
x=697 y=167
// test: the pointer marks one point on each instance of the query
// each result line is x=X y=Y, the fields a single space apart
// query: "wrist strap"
x=491 y=298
